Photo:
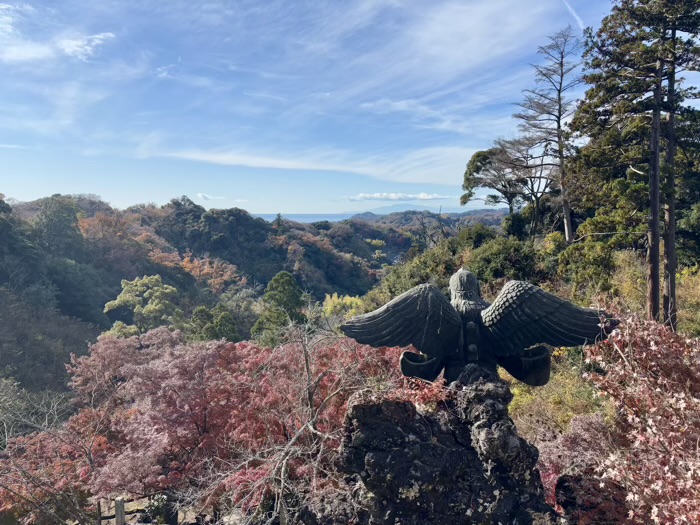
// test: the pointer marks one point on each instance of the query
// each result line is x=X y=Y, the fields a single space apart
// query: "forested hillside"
x=65 y=257
x=192 y=358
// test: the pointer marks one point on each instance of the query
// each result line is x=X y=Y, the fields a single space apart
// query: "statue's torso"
x=473 y=346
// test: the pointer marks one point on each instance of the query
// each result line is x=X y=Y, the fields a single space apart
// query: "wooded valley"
x=191 y=358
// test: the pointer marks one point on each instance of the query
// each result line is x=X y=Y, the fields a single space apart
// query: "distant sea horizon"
x=307 y=217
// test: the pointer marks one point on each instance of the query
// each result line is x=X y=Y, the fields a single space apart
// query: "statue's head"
x=465 y=291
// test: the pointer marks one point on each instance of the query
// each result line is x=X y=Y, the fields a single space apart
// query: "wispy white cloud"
x=9 y=14
x=573 y=13
x=52 y=85
x=205 y=197
x=399 y=197
x=51 y=109
x=178 y=72
x=452 y=39
x=17 y=47
x=266 y=96
x=422 y=115
x=440 y=165
x=84 y=46
x=14 y=47
x=12 y=146
x=476 y=108
x=381 y=89
x=25 y=51
x=236 y=158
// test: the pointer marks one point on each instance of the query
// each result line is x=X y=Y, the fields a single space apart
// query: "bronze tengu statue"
x=515 y=332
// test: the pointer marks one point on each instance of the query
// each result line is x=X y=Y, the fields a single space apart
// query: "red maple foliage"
x=46 y=477
x=233 y=422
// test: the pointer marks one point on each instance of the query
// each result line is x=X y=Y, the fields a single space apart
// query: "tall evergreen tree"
x=681 y=18
x=631 y=63
x=282 y=305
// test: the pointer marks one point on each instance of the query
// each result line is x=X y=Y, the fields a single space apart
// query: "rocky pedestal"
x=461 y=463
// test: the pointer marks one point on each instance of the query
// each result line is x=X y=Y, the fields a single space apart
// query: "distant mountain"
x=379 y=212
x=394 y=208
x=415 y=220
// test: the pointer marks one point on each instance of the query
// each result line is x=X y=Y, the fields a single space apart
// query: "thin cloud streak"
x=83 y=47
x=233 y=158
x=205 y=197
x=441 y=165
x=399 y=197
x=578 y=19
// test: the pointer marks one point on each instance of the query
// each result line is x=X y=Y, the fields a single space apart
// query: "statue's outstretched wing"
x=524 y=315
x=422 y=317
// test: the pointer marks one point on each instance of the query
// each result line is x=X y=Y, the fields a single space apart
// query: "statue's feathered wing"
x=422 y=317
x=524 y=318
x=524 y=315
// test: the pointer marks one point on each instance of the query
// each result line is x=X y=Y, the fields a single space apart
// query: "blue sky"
x=296 y=106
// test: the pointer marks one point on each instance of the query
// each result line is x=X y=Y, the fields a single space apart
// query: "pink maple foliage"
x=652 y=377
x=46 y=477
x=234 y=422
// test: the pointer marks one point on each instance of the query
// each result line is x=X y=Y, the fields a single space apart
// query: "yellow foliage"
x=376 y=243
x=629 y=280
x=629 y=283
x=553 y=244
x=688 y=291
x=542 y=413
x=345 y=306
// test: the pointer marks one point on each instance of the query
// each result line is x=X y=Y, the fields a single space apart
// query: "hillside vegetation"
x=217 y=379
x=65 y=257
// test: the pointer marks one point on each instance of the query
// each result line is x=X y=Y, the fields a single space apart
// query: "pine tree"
x=485 y=169
x=680 y=17
x=631 y=64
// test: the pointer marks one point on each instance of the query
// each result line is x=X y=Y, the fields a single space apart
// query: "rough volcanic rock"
x=461 y=463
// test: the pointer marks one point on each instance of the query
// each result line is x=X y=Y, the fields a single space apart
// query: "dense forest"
x=191 y=358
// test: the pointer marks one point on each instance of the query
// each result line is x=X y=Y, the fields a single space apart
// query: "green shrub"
x=503 y=257
x=515 y=225
x=588 y=266
x=475 y=236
